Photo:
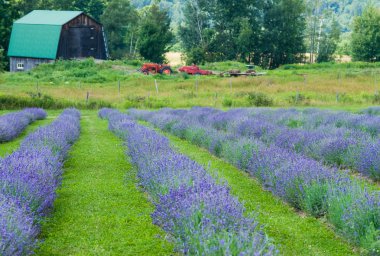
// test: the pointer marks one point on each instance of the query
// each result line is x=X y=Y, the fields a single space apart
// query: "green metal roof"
x=42 y=17
x=37 y=34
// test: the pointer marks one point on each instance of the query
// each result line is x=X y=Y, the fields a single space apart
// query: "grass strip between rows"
x=293 y=233
x=8 y=147
x=99 y=210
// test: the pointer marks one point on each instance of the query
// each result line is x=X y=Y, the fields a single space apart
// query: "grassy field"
x=350 y=85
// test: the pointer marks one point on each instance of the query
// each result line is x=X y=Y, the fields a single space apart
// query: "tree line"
x=268 y=33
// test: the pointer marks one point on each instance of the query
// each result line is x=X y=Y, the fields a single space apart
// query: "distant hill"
x=345 y=10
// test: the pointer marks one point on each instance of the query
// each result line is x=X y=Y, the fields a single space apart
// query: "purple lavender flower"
x=278 y=148
x=29 y=178
x=199 y=213
x=11 y=125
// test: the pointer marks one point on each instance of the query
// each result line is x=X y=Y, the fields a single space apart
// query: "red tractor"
x=154 y=68
x=194 y=70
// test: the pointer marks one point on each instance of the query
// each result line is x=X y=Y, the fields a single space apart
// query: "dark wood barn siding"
x=80 y=38
x=29 y=63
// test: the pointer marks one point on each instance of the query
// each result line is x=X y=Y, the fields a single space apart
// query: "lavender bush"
x=29 y=178
x=11 y=125
x=303 y=182
x=324 y=136
x=200 y=214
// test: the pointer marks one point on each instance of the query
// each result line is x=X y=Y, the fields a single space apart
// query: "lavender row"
x=373 y=111
x=11 y=125
x=337 y=146
x=311 y=119
x=29 y=178
x=304 y=183
x=200 y=214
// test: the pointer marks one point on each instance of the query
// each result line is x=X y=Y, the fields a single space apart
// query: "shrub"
x=259 y=99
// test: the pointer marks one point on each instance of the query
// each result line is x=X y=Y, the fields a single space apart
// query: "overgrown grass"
x=47 y=102
x=316 y=85
x=293 y=234
x=100 y=211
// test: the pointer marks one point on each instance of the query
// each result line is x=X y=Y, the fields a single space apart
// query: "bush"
x=46 y=102
x=259 y=99
x=227 y=102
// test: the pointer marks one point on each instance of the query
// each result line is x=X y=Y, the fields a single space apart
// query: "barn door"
x=83 y=42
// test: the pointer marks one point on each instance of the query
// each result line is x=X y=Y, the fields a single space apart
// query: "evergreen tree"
x=120 y=20
x=366 y=36
x=154 y=34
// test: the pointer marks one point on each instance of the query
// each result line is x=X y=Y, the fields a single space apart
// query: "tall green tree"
x=9 y=12
x=366 y=36
x=329 y=42
x=283 y=35
x=120 y=20
x=195 y=32
x=155 y=35
x=94 y=8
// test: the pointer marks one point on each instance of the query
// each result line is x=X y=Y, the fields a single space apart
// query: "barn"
x=45 y=36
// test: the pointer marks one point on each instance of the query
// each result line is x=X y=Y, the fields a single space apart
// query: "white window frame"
x=20 y=65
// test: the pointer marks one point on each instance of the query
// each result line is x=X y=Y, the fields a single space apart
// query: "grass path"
x=8 y=147
x=293 y=233
x=99 y=210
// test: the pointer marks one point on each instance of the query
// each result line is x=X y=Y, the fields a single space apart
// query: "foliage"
x=2 y=60
x=154 y=34
x=120 y=20
x=366 y=36
x=329 y=43
x=47 y=102
x=259 y=99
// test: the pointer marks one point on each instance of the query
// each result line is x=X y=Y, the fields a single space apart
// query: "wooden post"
x=155 y=83
x=87 y=97
x=337 y=97
x=340 y=79
x=230 y=83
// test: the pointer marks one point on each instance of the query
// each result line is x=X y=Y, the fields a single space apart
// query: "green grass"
x=292 y=232
x=99 y=209
x=68 y=82
x=8 y=147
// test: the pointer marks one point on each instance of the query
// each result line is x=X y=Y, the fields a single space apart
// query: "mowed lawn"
x=99 y=209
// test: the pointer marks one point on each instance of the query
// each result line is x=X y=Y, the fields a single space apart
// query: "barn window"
x=20 y=66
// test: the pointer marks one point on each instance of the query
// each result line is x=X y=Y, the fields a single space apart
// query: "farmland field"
x=204 y=180
x=213 y=175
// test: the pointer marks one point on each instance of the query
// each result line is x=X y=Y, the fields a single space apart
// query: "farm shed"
x=45 y=36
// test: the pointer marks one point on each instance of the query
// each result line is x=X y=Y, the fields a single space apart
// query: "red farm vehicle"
x=154 y=68
x=194 y=70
